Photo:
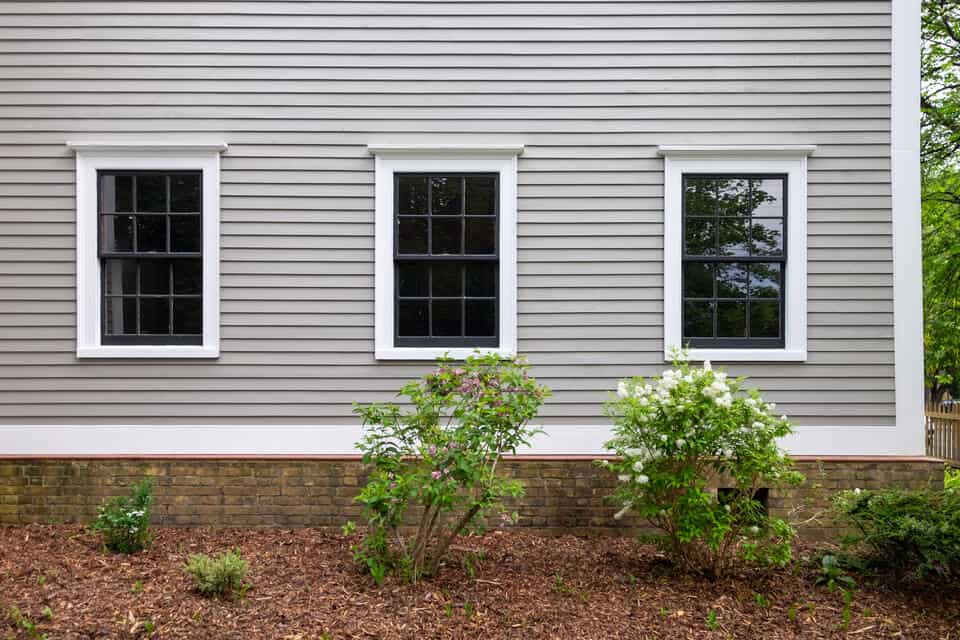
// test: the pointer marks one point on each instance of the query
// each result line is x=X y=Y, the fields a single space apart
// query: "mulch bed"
x=304 y=585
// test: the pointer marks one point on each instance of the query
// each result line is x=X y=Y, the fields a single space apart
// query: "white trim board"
x=94 y=156
x=905 y=191
x=332 y=439
x=390 y=159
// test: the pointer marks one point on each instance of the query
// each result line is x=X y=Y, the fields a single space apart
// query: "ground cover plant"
x=220 y=575
x=305 y=585
x=907 y=532
x=436 y=462
x=677 y=433
x=124 y=521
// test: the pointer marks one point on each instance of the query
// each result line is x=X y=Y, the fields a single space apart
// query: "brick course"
x=562 y=496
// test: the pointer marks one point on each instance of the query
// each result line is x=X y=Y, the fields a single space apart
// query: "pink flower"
x=436 y=475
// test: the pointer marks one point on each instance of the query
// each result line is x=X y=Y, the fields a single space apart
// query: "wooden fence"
x=943 y=432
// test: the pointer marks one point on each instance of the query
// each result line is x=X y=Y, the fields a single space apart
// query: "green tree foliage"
x=940 y=143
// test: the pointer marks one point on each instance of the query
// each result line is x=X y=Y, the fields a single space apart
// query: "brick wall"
x=562 y=496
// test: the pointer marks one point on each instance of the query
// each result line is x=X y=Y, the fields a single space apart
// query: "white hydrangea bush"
x=673 y=437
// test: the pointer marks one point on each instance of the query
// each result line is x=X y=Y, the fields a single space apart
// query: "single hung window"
x=734 y=260
x=151 y=256
x=446 y=260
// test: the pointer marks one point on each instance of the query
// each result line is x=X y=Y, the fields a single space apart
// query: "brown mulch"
x=304 y=585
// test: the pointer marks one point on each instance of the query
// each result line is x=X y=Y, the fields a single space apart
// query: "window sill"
x=148 y=351
x=432 y=353
x=744 y=355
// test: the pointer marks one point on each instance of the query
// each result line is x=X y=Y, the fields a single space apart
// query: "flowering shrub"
x=441 y=458
x=672 y=436
x=124 y=521
x=901 y=530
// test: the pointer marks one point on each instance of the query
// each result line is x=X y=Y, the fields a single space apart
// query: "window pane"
x=154 y=315
x=120 y=316
x=701 y=237
x=481 y=195
x=768 y=197
x=120 y=277
x=733 y=237
x=446 y=318
x=697 y=280
x=733 y=197
x=732 y=319
x=116 y=233
x=412 y=236
x=116 y=194
x=185 y=234
x=765 y=280
x=446 y=236
x=698 y=319
x=699 y=197
x=413 y=280
x=187 y=276
x=481 y=279
x=766 y=237
x=447 y=280
x=151 y=233
x=731 y=280
x=481 y=236
x=187 y=316
x=765 y=319
x=154 y=277
x=481 y=318
x=412 y=318
x=185 y=192
x=446 y=195
x=412 y=195
x=151 y=192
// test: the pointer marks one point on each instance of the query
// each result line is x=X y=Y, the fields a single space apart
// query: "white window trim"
x=787 y=159
x=94 y=156
x=390 y=159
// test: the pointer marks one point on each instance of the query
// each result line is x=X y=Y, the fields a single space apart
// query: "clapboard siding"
x=298 y=89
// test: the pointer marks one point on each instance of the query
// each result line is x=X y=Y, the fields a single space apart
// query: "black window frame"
x=453 y=342
x=169 y=339
x=748 y=342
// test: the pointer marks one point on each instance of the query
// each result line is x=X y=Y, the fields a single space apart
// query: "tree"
x=940 y=143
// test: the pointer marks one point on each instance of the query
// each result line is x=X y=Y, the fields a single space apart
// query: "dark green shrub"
x=902 y=531
x=220 y=575
x=124 y=521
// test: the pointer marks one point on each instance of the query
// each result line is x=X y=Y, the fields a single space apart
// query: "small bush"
x=675 y=434
x=124 y=521
x=951 y=480
x=440 y=459
x=220 y=575
x=903 y=531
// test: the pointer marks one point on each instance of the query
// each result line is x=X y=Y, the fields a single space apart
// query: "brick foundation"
x=562 y=496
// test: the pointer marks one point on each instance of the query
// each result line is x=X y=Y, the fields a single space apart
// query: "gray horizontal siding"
x=298 y=89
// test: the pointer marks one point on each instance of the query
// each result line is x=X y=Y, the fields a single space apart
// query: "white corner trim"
x=88 y=162
x=442 y=149
x=144 y=146
x=503 y=163
x=795 y=313
x=340 y=439
x=750 y=151
x=905 y=190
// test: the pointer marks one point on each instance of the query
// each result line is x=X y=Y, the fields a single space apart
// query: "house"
x=222 y=223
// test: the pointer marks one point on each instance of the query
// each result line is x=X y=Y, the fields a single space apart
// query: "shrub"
x=220 y=575
x=440 y=459
x=124 y=521
x=902 y=531
x=675 y=434
x=951 y=480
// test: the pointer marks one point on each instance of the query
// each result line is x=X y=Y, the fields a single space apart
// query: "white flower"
x=623 y=477
x=644 y=402
x=642 y=479
x=622 y=390
x=783 y=418
x=758 y=425
x=771 y=406
x=726 y=400
x=754 y=530
x=706 y=366
x=751 y=402
x=857 y=491
x=663 y=437
x=681 y=442
x=638 y=466
x=634 y=452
